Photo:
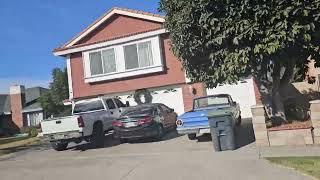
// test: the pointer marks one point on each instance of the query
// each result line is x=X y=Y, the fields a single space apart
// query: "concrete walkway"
x=176 y=158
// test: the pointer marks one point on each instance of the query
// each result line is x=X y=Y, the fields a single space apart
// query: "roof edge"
x=107 y=15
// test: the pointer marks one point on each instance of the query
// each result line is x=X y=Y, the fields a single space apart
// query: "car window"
x=164 y=108
x=88 y=106
x=119 y=103
x=110 y=104
x=139 y=111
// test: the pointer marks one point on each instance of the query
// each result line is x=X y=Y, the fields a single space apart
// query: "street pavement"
x=174 y=158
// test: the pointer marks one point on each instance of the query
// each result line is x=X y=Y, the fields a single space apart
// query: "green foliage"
x=221 y=41
x=52 y=101
x=31 y=131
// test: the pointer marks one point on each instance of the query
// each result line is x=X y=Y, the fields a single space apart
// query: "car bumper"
x=63 y=136
x=193 y=130
x=136 y=132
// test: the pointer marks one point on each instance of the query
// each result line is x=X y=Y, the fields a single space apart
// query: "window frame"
x=122 y=72
x=102 y=60
x=138 y=57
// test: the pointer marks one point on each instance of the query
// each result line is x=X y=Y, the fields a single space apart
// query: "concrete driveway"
x=174 y=158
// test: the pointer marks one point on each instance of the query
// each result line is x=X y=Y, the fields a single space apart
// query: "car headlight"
x=179 y=122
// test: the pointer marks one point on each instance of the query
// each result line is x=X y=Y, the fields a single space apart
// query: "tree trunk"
x=278 y=110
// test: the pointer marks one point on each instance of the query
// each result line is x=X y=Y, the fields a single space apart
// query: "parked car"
x=196 y=121
x=142 y=121
x=90 y=120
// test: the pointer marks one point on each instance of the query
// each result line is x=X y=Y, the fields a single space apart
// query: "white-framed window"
x=138 y=55
x=123 y=60
x=102 y=62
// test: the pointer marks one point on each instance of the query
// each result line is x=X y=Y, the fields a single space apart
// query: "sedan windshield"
x=211 y=101
x=138 y=111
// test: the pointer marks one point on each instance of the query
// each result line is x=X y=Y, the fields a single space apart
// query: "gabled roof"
x=31 y=97
x=106 y=16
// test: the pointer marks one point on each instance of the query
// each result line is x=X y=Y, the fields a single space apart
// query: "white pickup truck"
x=90 y=120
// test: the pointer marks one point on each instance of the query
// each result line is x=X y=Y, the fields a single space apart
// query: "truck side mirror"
x=127 y=103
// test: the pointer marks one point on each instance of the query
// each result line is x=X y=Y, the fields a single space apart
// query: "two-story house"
x=127 y=50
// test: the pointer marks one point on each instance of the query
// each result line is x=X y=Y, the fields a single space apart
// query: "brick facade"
x=119 y=26
x=191 y=91
x=172 y=75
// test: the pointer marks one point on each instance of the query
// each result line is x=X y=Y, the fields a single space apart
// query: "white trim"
x=69 y=71
x=120 y=62
x=118 y=75
x=32 y=110
x=108 y=15
x=110 y=43
x=6 y=113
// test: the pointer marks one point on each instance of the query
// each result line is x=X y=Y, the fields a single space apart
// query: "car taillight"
x=179 y=122
x=146 y=120
x=80 y=122
x=117 y=123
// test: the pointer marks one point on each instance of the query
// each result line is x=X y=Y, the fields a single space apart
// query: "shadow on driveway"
x=244 y=134
x=110 y=141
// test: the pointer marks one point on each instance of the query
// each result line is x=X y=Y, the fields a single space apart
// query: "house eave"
x=67 y=51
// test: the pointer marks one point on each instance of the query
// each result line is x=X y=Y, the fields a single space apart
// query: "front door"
x=114 y=111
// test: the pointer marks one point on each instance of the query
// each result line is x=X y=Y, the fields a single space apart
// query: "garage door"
x=242 y=93
x=170 y=96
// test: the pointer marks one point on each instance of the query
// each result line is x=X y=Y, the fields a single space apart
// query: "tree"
x=222 y=41
x=52 y=101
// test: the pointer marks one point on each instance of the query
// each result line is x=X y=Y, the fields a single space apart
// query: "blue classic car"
x=196 y=121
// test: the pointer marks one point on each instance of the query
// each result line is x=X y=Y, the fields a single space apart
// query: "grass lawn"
x=10 y=145
x=11 y=139
x=307 y=165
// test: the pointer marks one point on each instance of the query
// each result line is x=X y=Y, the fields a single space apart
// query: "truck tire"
x=59 y=146
x=192 y=136
x=97 y=135
x=238 y=123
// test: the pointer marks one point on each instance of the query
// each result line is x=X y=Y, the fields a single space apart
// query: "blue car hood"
x=200 y=117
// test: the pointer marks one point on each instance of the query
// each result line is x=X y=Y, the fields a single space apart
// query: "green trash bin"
x=222 y=130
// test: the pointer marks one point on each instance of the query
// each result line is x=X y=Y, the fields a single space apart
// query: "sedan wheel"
x=160 y=132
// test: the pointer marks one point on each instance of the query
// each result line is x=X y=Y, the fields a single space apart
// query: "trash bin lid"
x=219 y=113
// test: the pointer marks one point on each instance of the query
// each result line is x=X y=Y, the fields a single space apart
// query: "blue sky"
x=31 y=29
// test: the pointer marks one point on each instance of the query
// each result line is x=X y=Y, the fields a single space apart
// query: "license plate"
x=58 y=136
x=130 y=124
x=204 y=131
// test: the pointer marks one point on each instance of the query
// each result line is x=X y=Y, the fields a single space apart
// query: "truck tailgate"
x=60 y=125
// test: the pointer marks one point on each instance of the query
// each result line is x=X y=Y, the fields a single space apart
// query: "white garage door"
x=242 y=93
x=170 y=96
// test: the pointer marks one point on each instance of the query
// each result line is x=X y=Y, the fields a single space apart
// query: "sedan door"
x=169 y=115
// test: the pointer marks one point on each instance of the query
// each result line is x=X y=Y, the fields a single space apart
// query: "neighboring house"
x=20 y=108
x=127 y=50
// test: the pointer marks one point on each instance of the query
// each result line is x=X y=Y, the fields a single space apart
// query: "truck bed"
x=60 y=125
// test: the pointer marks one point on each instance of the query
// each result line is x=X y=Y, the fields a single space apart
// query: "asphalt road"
x=174 y=158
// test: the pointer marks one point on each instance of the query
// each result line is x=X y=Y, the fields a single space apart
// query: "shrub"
x=31 y=131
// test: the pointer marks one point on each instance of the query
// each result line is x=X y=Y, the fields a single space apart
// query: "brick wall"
x=191 y=91
x=173 y=75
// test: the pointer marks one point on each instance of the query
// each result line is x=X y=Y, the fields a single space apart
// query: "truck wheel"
x=238 y=123
x=192 y=136
x=98 y=136
x=59 y=146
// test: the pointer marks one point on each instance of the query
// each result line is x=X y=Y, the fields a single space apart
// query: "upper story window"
x=123 y=60
x=138 y=55
x=102 y=62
